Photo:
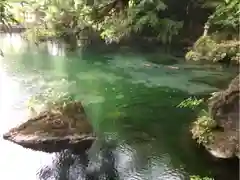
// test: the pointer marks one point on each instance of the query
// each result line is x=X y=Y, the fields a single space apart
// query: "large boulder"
x=224 y=106
x=54 y=129
x=219 y=130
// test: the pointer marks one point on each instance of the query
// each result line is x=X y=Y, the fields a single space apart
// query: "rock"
x=55 y=129
x=224 y=106
x=223 y=144
x=224 y=111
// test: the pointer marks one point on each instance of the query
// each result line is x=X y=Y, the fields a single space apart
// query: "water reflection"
x=56 y=49
x=64 y=165
x=12 y=42
x=108 y=162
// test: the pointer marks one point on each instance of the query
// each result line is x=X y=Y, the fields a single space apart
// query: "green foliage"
x=113 y=20
x=202 y=128
x=193 y=56
x=200 y=178
x=226 y=15
x=204 y=44
x=5 y=15
x=36 y=34
x=223 y=43
x=206 y=48
x=135 y=18
x=190 y=102
x=48 y=99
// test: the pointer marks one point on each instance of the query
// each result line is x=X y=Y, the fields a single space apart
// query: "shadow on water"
x=131 y=102
x=67 y=165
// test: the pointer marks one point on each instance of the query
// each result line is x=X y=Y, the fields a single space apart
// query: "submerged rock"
x=52 y=130
x=222 y=138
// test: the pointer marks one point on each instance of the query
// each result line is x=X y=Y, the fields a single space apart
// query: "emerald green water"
x=131 y=103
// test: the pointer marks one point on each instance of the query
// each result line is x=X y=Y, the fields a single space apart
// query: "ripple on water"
x=157 y=75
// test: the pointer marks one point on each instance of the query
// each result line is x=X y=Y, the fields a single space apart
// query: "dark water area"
x=130 y=98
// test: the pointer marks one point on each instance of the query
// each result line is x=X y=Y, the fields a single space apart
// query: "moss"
x=60 y=116
x=49 y=99
x=202 y=129
x=200 y=178
x=68 y=119
x=193 y=56
x=204 y=44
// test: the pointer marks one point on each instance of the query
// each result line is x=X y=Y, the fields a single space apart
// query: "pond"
x=131 y=101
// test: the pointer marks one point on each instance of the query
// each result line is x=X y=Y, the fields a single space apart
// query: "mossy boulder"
x=59 y=127
x=218 y=129
x=209 y=49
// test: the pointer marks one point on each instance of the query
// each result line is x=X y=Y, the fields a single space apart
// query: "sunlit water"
x=130 y=101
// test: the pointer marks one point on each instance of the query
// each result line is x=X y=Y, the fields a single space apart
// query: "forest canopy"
x=116 y=20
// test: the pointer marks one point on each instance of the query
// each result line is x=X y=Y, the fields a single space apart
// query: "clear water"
x=131 y=103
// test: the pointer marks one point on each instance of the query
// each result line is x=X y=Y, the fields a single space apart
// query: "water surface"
x=131 y=103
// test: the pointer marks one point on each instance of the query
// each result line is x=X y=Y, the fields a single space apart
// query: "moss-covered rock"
x=208 y=49
x=200 y=178
x=62 y=126
x=218 y=129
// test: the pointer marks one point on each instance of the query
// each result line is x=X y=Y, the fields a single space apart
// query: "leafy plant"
x=200 y=178
x=206 y=48
x=113 y=20
x=5 y=15
x=190 y=102
x=202 y=128
x=204 y=45
x=226 y=15
x=135 y=18
x=48 y=100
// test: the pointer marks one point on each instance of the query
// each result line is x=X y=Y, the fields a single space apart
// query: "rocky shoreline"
x=218 y=129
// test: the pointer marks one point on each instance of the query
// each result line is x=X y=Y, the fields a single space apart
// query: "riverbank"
x=208 y=49
x=218 y=128
x=12 y=29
